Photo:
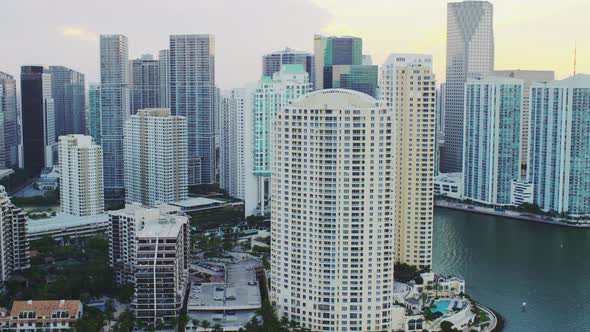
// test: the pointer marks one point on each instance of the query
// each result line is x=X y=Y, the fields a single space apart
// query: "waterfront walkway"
x=507 y=214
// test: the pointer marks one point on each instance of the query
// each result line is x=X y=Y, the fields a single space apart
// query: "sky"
x=529 y=34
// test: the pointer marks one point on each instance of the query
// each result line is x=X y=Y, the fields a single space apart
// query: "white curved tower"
x=332 y=214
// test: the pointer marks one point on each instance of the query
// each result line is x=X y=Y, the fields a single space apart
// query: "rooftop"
x=335 y=99
x=165 y=227
x=46 y=308
x=195 y=202
x=576 y=81
x=64 y=220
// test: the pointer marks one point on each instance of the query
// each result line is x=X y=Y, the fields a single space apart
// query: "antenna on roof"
x=575 y=56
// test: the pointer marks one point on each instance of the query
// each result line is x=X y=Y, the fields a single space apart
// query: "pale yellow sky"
x=529 y=34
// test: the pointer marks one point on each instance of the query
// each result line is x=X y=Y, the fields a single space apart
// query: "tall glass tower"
x=9 y=124
x=114 y=109
x=470 y=54
x=68 y=90
x=192 y=95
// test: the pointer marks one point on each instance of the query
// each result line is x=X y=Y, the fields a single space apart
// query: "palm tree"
x=196 y=323
x=217 y=328
x=205 y=324
x=293 y=325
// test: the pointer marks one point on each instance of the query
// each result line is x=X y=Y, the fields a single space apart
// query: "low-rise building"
x=58 y=315
x=449 y=185
x=66 y=225
x=441 y=286
x=521 y=192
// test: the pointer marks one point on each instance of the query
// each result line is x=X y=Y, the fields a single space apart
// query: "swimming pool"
x=441 y=306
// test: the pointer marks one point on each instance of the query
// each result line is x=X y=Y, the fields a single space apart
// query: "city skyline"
x=520 y=39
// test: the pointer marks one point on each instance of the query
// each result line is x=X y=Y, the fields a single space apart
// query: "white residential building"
x=449 y=185
x=236 y=153
x=272 y=95
x=155 y=157
x=408 y=90
x=332 y=254
x=81 y=176
x=14 y=251
x=149 y=248
x=521 y=192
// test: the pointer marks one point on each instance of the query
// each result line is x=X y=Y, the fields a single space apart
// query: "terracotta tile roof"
x=46 y=308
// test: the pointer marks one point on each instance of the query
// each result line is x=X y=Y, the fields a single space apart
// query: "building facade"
x=332 y=254
x=148 y=244
x=362 y=78
x=38 y=118
x=529 y=77
x=164 y=65
x=50 y=316
x=192 y=95
x=272 y=62
x=114 y=109
x=14 y=252
x=236 y=152
x=491 y=154
x=559 y=145
x=470 y=54
x=68 y=89
x=155 y=152
x=9 y=139
x=93 y=128
x=81 y=176
x=145 y=83
x=408 y=89
x=272 y=95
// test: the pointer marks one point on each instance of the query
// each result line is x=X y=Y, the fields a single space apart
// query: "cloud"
x=339 y=29
x=79 y=33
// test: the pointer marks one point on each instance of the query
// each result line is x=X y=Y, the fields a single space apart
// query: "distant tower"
x=9 y=124
x=192 y=95
x=145 y=83
x=470 y=54
x=94 y=112
x=272 y=62
x=114 y=108
x=164 y=65
x=38 y=122
x=81 y=182
x=155 y=150
x=69 y=95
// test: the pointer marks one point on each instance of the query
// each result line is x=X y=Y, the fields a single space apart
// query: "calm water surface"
x=507 y=262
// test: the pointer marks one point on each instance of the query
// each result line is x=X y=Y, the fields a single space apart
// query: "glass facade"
x=356 y=77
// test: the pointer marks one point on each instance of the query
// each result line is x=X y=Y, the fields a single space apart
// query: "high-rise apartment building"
x=145 y=83
x=94 y=112
x=492 y=142
x=529 y=77
x=149 y=249
x=332 y=254
x=155 y=150
x=38 y=122
x=9 y=125
x=69 y=95
x=81 y=176
x=272 y=62
x=339 y=63
x=470 y=54
x=114 y=108
x=408 y=90
x=272 y=95
x=559 y=145
x=236 y=153
x=164 y=65
x=192 y=95
x=14 y=252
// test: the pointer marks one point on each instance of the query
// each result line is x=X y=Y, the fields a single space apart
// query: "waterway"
x=507 y=262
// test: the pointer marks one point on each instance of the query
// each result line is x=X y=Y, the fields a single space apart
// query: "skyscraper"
x=145 y=83
x=37 y=118
x=114 y=108
x=69 y=95
x=492 y=142
x=94 y=112
x=559 y=145
x=529 y=77
x=164 y=65
x=236 y=153
x=81 y=176
x=272 y=62
x=332 y=226
x=14 y=252
x=408 y=89
x=192 y=95
x=9 y=124
x=155 y=150
x=470 y=54
x=272 y=95
x=339 y=63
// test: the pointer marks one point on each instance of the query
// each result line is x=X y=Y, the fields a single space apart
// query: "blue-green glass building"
x=492 y=136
